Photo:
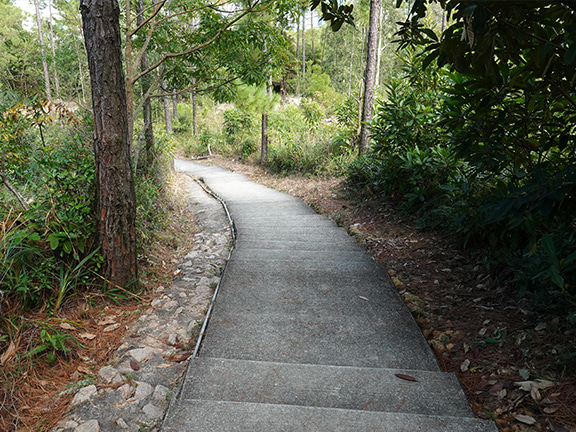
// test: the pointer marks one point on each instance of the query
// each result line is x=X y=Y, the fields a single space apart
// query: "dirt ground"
x=506 y=358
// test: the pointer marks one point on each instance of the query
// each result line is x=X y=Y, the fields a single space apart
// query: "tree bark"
x=56 y=82
x=42 y=51
x=149 y=155
x=167 y=112
x=264 y=148
x=303 y=43
x=370 y=75
x=194 y=109
x=116 y=199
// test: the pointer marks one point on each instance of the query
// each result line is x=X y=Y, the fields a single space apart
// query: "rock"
x=121 y=423
x=152 y=412
x=143 y=390
x=89 y=426
x=109 y=375
x=84 y=394
x=142 y=354
x=161 y=393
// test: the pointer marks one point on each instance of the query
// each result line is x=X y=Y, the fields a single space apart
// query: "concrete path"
x=308 y=333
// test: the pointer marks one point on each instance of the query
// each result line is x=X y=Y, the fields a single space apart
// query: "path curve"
x=308 y=332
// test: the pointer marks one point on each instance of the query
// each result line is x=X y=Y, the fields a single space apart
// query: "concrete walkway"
x=308 y=333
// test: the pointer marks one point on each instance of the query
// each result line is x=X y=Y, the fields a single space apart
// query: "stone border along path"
x=307 y=334
x=124 y=399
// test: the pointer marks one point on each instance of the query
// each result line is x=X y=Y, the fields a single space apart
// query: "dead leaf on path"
x=88 y=336
x=406 y=377
x=8 y=354
x=550 y=410
x=107 y=321
x=84 y=370
x=526 y=419
x=66 y=326
x=539 y=384
x=465 y=365
x=134 y=365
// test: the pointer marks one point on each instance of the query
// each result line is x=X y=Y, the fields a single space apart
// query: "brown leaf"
x=88 y=336
x=497 y=387
x=66 y=326
x=526 y=419
x=134 y=365
x=406 y=377
x=135 y=335
x=8 y=354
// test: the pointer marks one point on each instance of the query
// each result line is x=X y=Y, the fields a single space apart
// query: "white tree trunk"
x=370 y=75
x=56 y=82
x=44 y=61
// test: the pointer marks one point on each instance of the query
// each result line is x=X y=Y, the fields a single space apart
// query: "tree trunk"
x=149 y=154
x=174 y=105
x=194 y=110
x=56 y=82
x=303 y=44
x=369 y=75
x=311 y=33
x=379 y=51
x=264 y=151
x=167 y=113
x=42 y=51
x=116 y=199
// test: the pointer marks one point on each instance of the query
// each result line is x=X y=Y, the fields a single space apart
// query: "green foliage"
x=239 y=131
x=494 y=137
x=47 y=250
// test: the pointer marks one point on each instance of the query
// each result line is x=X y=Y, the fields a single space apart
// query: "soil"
x=506 y=358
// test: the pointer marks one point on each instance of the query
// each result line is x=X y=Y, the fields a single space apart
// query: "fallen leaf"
x=66 y=326
x=406 y=377
x=497 y=387
x=7 y=355
x=526 y=419
x=134 y=365
x=84 y=370
x=363 y=298
x=107 y=321
x=465 y=365
x=535 y=393
x=550 y=410
x=539 y=384
x=135 y=335
x=88 y=336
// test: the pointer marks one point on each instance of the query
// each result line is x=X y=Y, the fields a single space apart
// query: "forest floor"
x=505 y=357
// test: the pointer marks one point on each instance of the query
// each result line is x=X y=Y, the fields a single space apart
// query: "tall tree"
x=44 y=60
x=370 y=74
x=53 y=47
x=116 y=198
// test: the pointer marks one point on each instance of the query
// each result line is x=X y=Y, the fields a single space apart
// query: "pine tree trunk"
x=42 y=51
x=116 y=199
x=370 y=75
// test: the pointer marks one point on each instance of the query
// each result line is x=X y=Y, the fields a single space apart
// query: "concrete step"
x=392 y=341
x=221 y=416
x=365 y=389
